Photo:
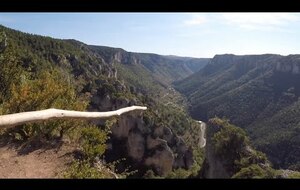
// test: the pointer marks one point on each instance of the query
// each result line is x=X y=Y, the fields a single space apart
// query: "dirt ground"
x=36 y=164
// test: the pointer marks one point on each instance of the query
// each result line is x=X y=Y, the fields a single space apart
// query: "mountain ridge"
x=251 y=90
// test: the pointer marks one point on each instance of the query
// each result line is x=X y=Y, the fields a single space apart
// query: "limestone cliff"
x=228 y=153
x=148 y=147
x=213 y=166
x=145 y=146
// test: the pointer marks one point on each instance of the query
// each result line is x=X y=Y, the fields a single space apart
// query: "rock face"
x=149 y=147
x=290 y=64
x=229 y=153
x=145 y=146
x=213 y=166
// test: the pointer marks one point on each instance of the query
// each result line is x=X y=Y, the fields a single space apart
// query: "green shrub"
x=82 y=170
x=93 y=142
x=294 y=175
x=179 y=173
x=229 y=141
x=255 y=171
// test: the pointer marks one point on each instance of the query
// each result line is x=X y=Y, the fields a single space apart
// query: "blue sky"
x=182 y=34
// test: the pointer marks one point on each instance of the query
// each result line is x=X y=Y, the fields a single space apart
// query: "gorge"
x=257 y=93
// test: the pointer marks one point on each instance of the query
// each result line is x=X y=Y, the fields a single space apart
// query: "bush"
x=179 y=173
x=229 y=141
x=255 y=171
x=232 y=146
x=49 y=89
x=82 y=170
x=294 y=175
x=93 y=142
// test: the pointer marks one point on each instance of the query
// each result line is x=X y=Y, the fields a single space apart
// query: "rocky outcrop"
x=213 y=166
x=228 y=154
x=156 y=147
x=124 y=57
x=162 y=160
x=145 y=146
x=290 y=64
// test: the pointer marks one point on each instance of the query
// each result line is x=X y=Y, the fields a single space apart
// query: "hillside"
x=38 y=72
x=229 y=154
x=259 y=93
x=165 y=69
x=149 y=73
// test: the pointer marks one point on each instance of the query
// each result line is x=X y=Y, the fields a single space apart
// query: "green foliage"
x=253 y=158
x=39 y=72
x=232 y=146
x=198 y=155
x=93 y=142
x=179 y=174
x=230 y=140
x=253 y=94
x=48 y=90
x=156 y=71
x=133 y=74
x=255 y=171
x=294 y=175
x=10 y=72
x=84 y=170
x=171 y=116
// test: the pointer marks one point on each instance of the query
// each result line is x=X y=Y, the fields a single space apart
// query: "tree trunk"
x=11 y=120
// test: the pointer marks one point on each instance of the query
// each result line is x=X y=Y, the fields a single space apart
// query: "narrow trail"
x=202 y=142
x=36 y=164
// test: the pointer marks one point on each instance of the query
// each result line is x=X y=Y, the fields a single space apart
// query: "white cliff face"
x=296 y=69
x=292 y=67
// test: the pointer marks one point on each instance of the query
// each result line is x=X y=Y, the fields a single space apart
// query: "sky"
x=182 y=34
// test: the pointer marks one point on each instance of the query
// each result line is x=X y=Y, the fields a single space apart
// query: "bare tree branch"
x=11 y=120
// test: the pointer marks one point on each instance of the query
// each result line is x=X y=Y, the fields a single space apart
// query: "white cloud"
x=196 y=20
x=260 y=21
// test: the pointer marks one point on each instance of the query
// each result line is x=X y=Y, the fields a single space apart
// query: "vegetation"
x=255 y=94
x=83 y=169
x=93 y=142
x=32 y=78
x=154 y=68
x=38 y=72
x=181 y=173
x=231 y=146
x=254 y=171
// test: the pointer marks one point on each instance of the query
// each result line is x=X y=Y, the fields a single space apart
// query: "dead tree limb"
x=11 y=120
